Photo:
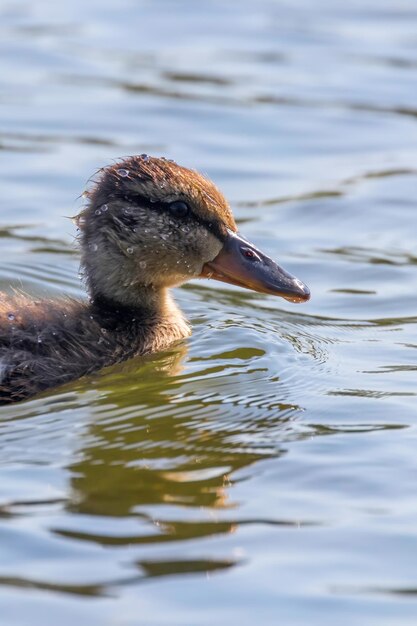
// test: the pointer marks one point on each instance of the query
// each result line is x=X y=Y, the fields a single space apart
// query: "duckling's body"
x=50 y=342
x=149 y=225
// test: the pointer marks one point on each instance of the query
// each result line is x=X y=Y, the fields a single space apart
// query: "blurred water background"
x=266 y=470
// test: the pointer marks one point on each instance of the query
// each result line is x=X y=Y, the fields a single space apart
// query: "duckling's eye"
x=179 y=208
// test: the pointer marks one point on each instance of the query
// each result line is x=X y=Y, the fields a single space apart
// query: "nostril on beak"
x=249 y=254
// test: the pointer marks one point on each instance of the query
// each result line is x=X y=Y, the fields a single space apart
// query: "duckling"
x=149 y=225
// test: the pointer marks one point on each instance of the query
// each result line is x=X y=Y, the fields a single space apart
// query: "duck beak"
x=241 y=263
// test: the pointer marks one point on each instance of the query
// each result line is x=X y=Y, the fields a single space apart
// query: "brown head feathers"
x=159 y=179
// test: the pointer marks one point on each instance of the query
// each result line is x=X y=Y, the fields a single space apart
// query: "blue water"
x=265 y=470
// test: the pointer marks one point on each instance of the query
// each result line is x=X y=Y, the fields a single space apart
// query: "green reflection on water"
x=153 y=441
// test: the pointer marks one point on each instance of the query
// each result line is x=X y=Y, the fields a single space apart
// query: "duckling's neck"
x=148 y=304
x=153 y=311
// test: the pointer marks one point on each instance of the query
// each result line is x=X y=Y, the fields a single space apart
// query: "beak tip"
x=299 y=298
x=298 y=292
x=306 y=294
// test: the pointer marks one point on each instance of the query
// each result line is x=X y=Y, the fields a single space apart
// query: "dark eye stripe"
x=136 y=199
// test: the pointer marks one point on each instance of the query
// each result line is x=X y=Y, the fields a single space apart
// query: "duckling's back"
x=47 y=343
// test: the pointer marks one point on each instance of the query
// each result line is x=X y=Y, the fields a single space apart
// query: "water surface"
x=265 y=470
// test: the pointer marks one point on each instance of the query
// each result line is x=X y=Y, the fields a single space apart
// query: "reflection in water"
x=151 y=447
x=148 y=570
x=154 y=442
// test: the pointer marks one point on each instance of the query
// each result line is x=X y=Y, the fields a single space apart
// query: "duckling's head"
x=151 y=223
